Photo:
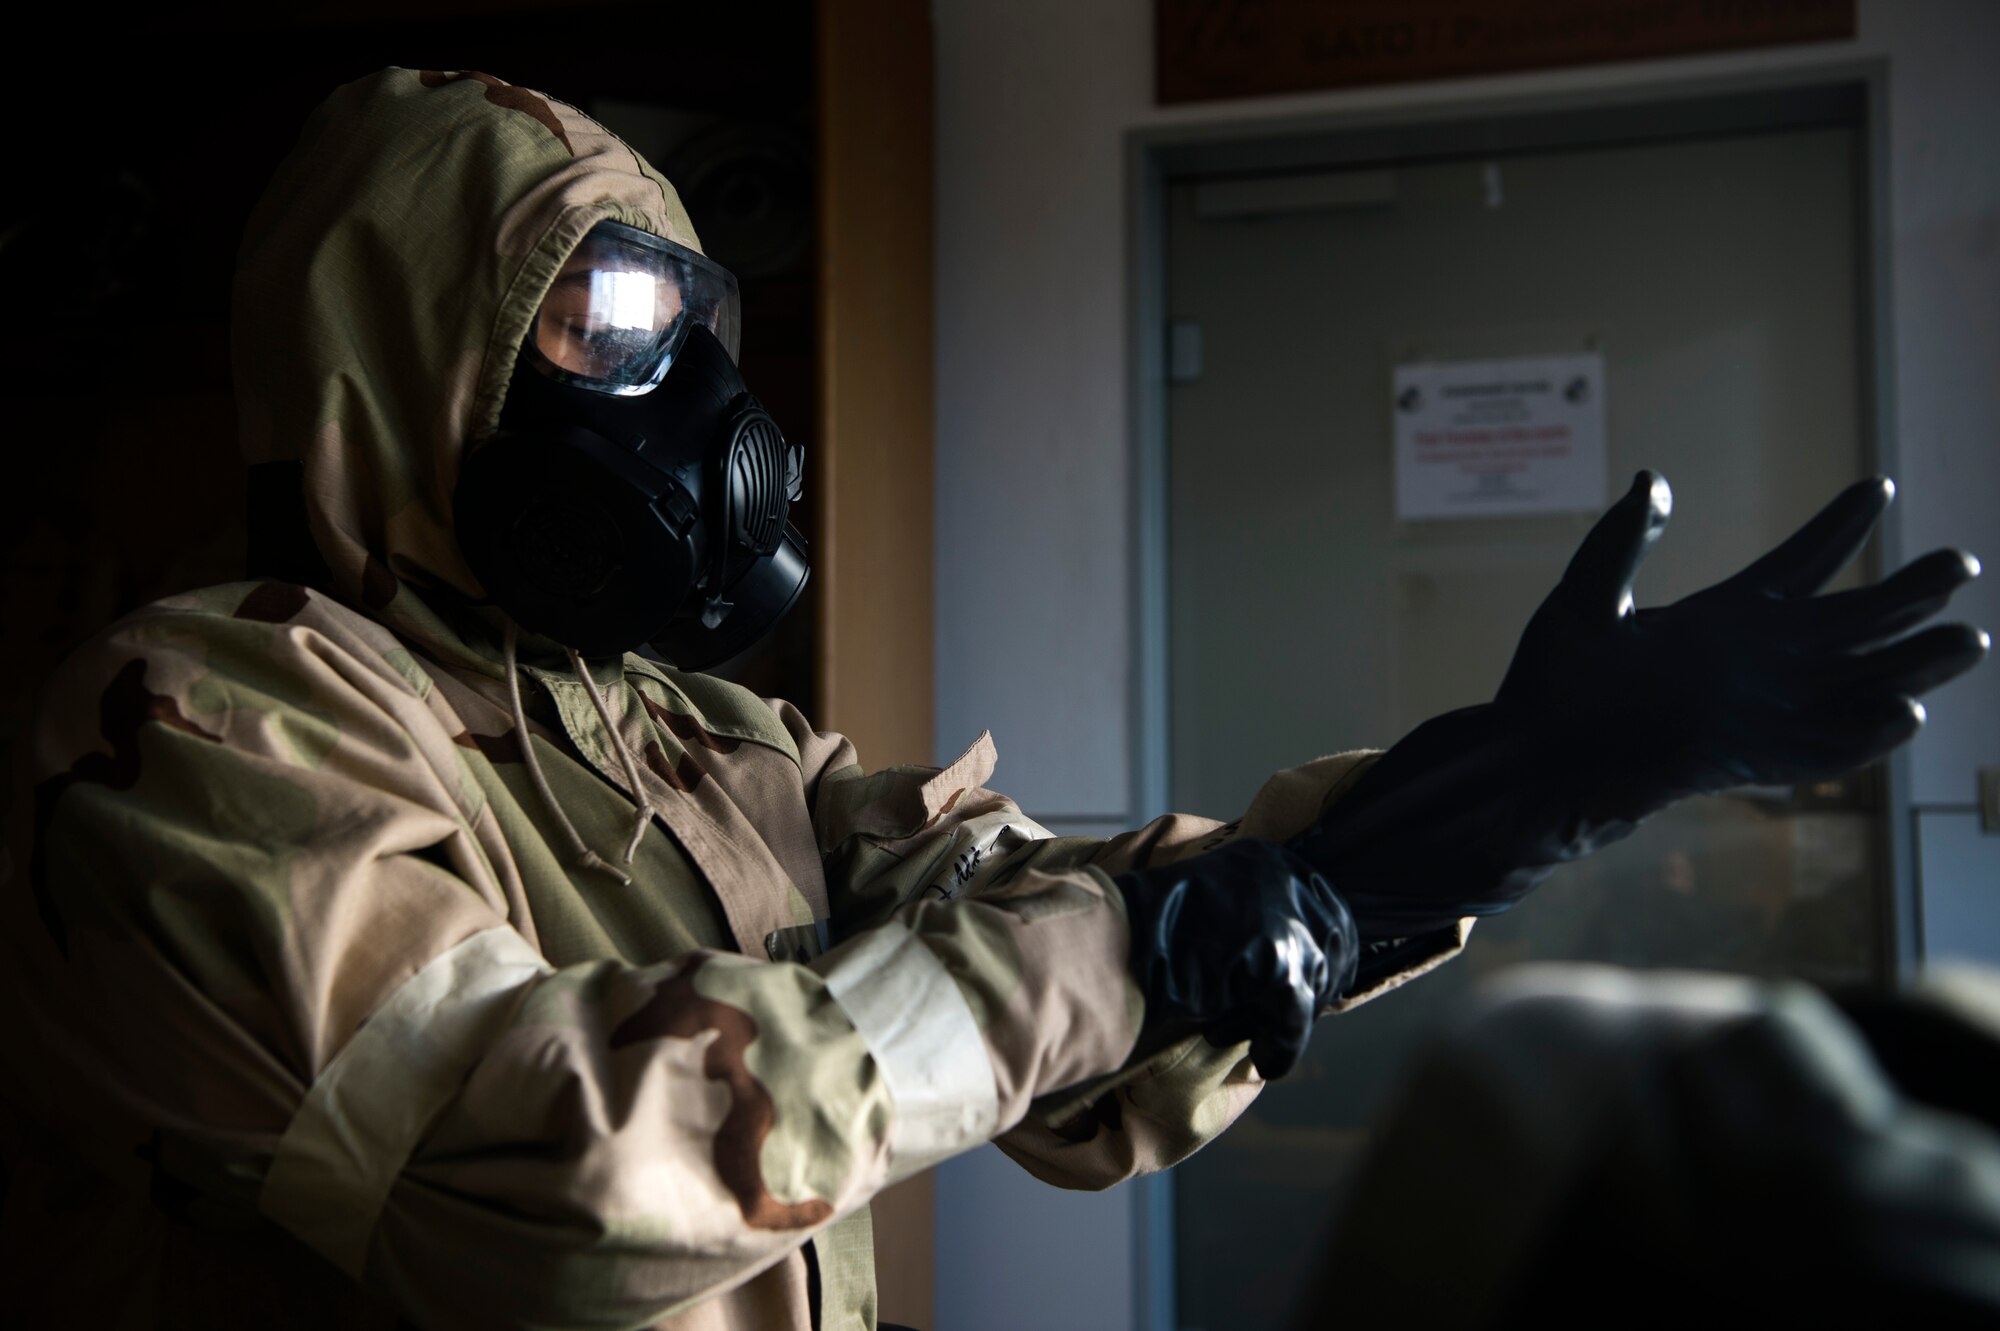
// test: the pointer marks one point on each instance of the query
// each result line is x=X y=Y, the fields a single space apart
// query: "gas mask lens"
x=622 y=305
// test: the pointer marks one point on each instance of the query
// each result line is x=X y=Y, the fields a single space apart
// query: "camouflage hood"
x=387 y=280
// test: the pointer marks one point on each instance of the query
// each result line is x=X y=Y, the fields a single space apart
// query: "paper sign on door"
x=1499 y=437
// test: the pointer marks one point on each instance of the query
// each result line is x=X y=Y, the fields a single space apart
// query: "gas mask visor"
x=622 y=305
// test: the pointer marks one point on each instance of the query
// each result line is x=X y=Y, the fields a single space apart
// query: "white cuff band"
x=925 y=1039
x=364 y=1115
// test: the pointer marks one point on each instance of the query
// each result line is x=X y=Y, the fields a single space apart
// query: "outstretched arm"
x=1609 y=713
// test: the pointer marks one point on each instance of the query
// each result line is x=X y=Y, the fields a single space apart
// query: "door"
x=1717 y=278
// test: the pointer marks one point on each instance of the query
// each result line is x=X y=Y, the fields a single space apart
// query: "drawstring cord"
x=585 y=856
x=643 y=813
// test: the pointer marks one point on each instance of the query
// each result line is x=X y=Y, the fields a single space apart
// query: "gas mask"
x=635 y=492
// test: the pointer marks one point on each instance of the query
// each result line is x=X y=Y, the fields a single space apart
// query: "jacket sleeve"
x=933 y=836
x=267 y=942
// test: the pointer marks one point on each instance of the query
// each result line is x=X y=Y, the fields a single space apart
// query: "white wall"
x=1034 y=98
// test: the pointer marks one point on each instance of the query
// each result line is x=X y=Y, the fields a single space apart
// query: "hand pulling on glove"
x=1609 y=714
x=1244 y=942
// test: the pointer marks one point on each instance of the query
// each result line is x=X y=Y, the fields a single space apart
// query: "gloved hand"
x=1608 y=714
x=1243 y=942
x=1753 y=681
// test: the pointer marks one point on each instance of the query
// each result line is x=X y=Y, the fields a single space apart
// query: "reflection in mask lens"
x=622 y=304
x=596 y=322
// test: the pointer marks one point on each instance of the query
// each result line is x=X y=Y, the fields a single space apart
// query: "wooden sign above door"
x=1206 y=49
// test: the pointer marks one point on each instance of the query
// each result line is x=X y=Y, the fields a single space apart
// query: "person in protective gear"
x=388 y=942
x=399 y=943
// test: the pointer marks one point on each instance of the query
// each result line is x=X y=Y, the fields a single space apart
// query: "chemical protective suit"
x=324 y=1010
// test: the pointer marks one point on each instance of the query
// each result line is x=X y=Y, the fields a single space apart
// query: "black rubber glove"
x=1244 y=942
x=1608 y=714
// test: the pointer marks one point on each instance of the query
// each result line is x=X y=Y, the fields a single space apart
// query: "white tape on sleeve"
x=925 y=1039
x=371 y=1105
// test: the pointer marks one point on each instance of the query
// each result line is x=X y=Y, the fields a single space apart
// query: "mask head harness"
x=635 y=492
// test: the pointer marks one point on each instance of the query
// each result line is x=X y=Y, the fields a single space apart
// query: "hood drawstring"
x=585 y=856
x=643 y=812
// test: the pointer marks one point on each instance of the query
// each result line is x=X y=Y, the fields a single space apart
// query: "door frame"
x=871 y=473
x=1851 y=93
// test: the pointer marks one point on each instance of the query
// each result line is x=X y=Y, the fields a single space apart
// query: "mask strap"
x=585 y=856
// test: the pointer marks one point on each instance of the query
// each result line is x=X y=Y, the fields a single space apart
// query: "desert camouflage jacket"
x=315 y=1018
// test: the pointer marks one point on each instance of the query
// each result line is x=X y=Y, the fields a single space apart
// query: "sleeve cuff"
x=925 y=1040
x=1389 y=963
x=357 y=1126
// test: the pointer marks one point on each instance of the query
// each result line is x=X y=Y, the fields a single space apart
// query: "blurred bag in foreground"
x=1593 y=1146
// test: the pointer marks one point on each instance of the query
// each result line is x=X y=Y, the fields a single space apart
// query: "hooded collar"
x=387 y=279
